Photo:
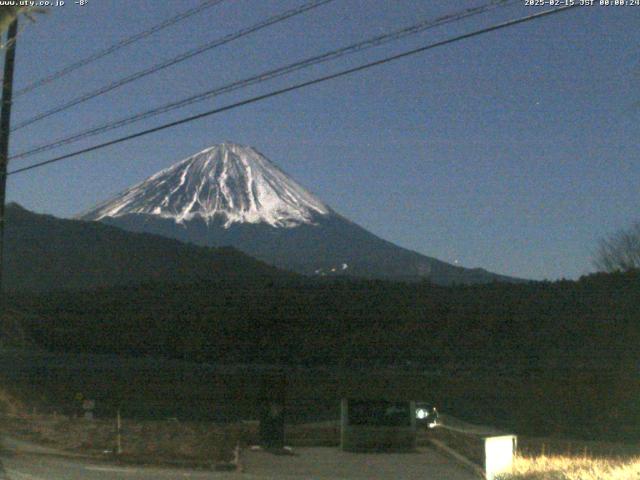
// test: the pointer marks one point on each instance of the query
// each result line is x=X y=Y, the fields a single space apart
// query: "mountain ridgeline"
x=44 y=253
x=232 y=195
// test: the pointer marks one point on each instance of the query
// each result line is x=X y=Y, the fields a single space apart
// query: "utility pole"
x=5 y=126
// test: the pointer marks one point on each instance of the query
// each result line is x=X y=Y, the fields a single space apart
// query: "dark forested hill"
x=44 y=253
x=585 y=323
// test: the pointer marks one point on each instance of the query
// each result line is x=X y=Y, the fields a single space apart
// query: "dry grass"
x=9 y=405
x=144 y=441
x=555 y=459
x=547 y=446
x=558 y=467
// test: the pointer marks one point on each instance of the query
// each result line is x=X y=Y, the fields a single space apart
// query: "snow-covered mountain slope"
x=227 y=182
x=231 y=195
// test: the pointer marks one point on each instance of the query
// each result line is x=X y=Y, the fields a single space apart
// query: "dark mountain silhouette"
x=44 y=253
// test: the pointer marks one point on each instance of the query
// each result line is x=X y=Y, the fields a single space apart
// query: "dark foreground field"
x=543 y=359
x=540 y=404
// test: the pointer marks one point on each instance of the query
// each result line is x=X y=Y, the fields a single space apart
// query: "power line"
x=297 y=86
x=117 y=46
x=268 y=75
x=175 y=60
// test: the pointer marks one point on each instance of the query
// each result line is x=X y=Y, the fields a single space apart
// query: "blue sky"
x=515 y=151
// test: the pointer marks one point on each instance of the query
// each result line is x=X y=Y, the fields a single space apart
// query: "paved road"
x=306 y=464
x=330 y=463
x=457 y=425
x=33 y=467
x=20 y=460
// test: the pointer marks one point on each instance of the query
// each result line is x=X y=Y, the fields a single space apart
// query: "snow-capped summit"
x=231 y=195
x=228 y=182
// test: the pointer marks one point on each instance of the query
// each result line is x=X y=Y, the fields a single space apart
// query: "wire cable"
x=297 y=86
x=117 y=46
x=268 y=75
x=173 y=61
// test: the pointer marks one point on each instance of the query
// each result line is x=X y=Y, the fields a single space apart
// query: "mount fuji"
x=232 y=195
